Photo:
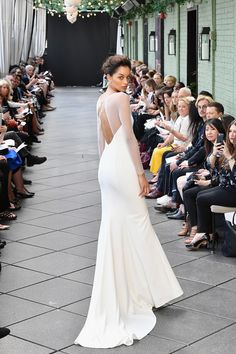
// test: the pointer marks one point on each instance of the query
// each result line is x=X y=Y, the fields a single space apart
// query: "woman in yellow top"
x=179 y=135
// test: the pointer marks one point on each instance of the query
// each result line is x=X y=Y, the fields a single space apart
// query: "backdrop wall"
x=75 y=52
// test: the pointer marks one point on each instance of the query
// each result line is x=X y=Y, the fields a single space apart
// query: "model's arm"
x=125 y=118
x=101 y=140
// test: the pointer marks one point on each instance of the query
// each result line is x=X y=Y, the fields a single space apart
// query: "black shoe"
x=4 y=332
x=24 y=195
x=27 y=181
x=172 y=212
x=34 y=139
x=177 y=216
x=2 y=244
x=35 y=160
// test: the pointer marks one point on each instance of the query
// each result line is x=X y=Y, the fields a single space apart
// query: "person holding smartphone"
x=224 y=155
x=204 y=178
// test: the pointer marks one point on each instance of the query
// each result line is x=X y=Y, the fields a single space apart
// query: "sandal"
x=14 y=206
x=191 y=236
x=7 y=215
x=184 y=231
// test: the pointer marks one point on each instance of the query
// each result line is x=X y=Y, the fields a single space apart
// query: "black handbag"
x=229 y=244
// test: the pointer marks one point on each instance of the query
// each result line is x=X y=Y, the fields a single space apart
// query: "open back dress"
x=132 y=272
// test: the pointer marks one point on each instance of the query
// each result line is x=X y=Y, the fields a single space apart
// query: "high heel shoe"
x=184 y=231
x=24 y=195
x=213 y=242
x=202 y=241
x=191 y=236
x=27 y=191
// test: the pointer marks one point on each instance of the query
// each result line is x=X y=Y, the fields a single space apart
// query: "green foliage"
x=152 y=6
x=57 y=6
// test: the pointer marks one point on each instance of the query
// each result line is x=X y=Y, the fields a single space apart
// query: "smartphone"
x=220 y=138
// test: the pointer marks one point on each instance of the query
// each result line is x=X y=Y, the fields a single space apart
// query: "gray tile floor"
x=48 y=263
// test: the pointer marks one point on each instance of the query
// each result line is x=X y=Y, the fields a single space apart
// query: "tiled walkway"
x=48 y=263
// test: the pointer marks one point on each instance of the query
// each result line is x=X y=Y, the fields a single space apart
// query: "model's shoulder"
x=100 y=99
x=120 y=96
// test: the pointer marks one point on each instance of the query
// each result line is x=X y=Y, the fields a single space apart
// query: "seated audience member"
x=213 y=127
x=184 y=92
x=223 y=159
x=214 y=110
x=151 y=73
x=178 y=137
x=170 y=81
x=167 y=99
x=179 y=85
x=157 y=77
x=226 y=119
x=140 y=110
x=137 y=92
x=187 y=161
x=193 y=156
x=206 y=93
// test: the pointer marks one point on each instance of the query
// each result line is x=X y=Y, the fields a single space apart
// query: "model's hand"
x=144 y=185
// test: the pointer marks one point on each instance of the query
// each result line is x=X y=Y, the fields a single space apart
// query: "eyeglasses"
x=202 y=107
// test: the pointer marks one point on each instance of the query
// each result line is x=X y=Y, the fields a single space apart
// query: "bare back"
x=113 y=111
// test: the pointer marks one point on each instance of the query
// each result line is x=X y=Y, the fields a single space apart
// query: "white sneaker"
x=163 y=200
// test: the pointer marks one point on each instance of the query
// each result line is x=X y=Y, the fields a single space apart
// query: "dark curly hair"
x=113 y=62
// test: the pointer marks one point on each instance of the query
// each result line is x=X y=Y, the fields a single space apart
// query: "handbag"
x=145 y=158
x=13 y=159
x=229 y=244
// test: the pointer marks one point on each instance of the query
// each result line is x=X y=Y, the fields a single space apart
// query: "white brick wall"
x=204 y=67
x=170 y=62
x=225 y=55
x=183 y=44
x=140 y=39
x=151 y=55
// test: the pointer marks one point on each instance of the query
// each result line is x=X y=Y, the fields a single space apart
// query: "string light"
x=57 y=7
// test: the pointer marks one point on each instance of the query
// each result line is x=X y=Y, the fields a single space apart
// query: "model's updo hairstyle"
x=113 y=62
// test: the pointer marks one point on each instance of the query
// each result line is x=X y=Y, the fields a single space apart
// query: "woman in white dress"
x=132 y=272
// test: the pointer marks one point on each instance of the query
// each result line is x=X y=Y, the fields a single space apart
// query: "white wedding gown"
x=132 y=272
